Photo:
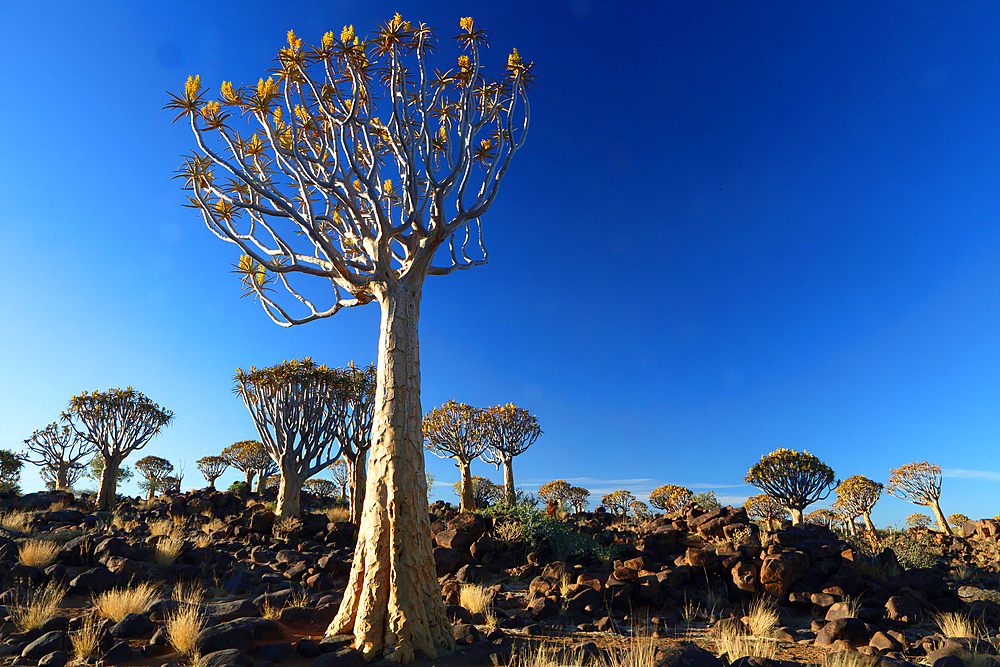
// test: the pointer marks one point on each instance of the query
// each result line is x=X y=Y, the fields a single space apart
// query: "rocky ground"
x=667 y=592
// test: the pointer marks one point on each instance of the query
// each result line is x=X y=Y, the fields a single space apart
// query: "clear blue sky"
x=735 y=227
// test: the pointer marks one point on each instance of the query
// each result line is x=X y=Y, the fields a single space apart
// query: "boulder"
x=226 y=657
x=132 y=626
x=47 y=643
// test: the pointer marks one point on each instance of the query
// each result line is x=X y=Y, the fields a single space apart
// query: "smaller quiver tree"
x=670 y=498
x=856 y=496
x=796 y=479
x=155 y=471
x=618 y=502
x=766 y=509
x=265 y=472
x=484 y=491
x=920 y=484
x=10 y=471
x=577 y=497
x=456 y=431
x=247 y=456
x=918 y=520
x=318 y=486
x=340 y=471
x=355 y=432
x=59 y=451
x=296 y=407
x=51 y=482
x=116 y=422
x=957 y=520
x=211 y=468
x=509 y=431
x=706 y=500
x=554 y=492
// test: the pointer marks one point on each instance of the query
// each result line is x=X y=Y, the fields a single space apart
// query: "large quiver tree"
x=670 y=498
x=116 y=422
x=796 y=479
x=920 y=484
x=60 y=452
x=457 y=431
x=354 y=167
x=509 y=431
x=856 y=496
x=296 y=407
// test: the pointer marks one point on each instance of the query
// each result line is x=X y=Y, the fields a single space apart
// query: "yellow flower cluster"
x=463 y=62
x=294 y=43
x=210 y=110
x=266 y=87
x=514 y=60
x=192 y=86
x=347 y=35
x=466 y=23
x=228 y=93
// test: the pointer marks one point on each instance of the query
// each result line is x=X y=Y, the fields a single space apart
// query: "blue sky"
x=734 y=227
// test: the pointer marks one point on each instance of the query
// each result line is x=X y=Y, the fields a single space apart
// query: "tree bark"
x=249 y=475
x=868 y=522
x=109 y=484
x=468 y=503
x=796 y=515
x=62 y=481
x=392 y=604
x=508 y=481
x=939 y=515
x=359 y=479
x=289 y=490
x=262 y=485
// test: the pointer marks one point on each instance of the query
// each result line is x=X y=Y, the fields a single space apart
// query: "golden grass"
x=183 y=627
x=38 y=553
x=161 y=527
x=564 y=582
x=188 y=594
x=336 y=514
x=638 y=651
x=953 y=624
x=762 y=617
x=733 y=644
x=117 y=603
x=38 y=607
x=203 y=541
x=167 y=550
x=87 y=640
x=15 y=521
x=475 y=598
x=213 y=525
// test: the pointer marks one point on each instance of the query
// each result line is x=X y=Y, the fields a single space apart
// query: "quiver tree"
x=10 y=471
x=355 y=432
x=51 y=482
x=484 y=492
x=296 y=407
x=265 y=472
x=116 y=422
x=95 y=471
x=456 y=431
x=554 y=492
x=640 y=510
x=706 y=500
x=796 y=479
x=341 y=474
x=856 y=496
x=354 y=166
x=618 y=502
x=766 y=509
x=509 y=431
x=957 y=520
x=60 y=453
x=211 y=468
x=823 y=517
x=247 y=456
x=155 y=472
x=920 y=484
x=670 y=498
x=577 y=497
x=320 y=487
x=918 y=520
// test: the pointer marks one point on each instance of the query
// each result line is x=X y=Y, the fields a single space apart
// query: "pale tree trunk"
x=939 y=515
x=796 y=516
x=359 y=479
x=468 y=503
x=393 y=603
x=289 y=490
x=152 y=490
x=249 y=475
x=868 y=522
x=508 y=481
x=62 y=481
x=109 y=483
x=262 y=484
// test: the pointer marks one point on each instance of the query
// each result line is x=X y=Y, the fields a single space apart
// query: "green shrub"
x=239 y=487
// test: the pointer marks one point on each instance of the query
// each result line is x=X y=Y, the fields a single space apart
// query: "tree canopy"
x=920 y=484
x=796 y=479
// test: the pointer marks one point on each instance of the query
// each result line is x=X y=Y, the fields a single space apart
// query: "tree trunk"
x=289 y=490
x=868 y=522
x=249 y=475
x=359 y=479
x=109 y=484
x=62 y=481
x=392 y=604
x=939 y=515
x=468 y=500
x=152 y=490
x=262 y=486
x=796 y=515
x=508 y=481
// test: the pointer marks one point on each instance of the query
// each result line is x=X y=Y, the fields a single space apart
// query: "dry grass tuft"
x=762 y=617
x=15 y=521
x=161 y=527
x=87 y=640
x=733 y=644
x=336 y=514
x=188 y=593
x=953 y=624
x=475 y=598
x=167 y=551
x=117 y=603
x=213 y=525
x=183 y=628
x=37 y=608
x=38 y=553
x=202 y=541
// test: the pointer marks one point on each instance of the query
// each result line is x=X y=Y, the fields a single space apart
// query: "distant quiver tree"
x=355 y=432
x=577 y=497
x=155 y=472
x=296 y=407
x=247 y=456
x=796 y=479
x=509 y=431
x=670 y=498
x=353 y=166
x=211 y=468
x=117 y=422
x=555 y=492
x=920 y=484
x=618 y=502
x=341 y=474
x=857 y=496
x=60 y=453
x=765 y=508
x=457 y=431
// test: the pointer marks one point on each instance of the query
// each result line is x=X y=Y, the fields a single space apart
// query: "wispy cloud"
x=972 y=474
x=716 y=486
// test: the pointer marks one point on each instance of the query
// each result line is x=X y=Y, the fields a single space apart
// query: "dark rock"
x=472 y=524
x=850 y=629
x=458 y=614
x=542 y=608
x=56 y=623
x=903 y=608
x=307 y=647
x=94 y=581
x=226 y=657
x=132 y=626
x=456 y=539
x=465 y=634
x=239 y=584
x=296 y=614
x=262 y=522
x=119 y=653
x=222 y=612
x=239 y=634
x=676 y=654
x=345 y=657
x=54 y=659
x=273 y=652
x=333 y=643
x=47 y=643
x=113 y=546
